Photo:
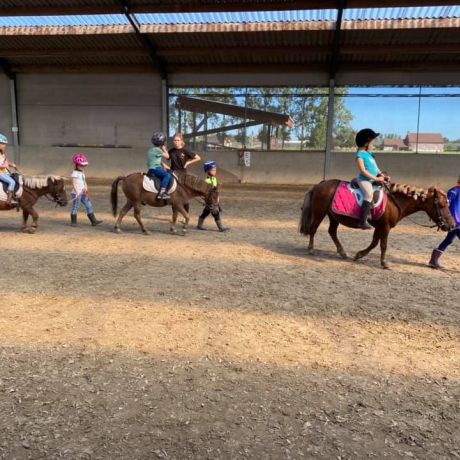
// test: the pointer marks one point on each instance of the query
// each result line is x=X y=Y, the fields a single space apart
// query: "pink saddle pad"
x=347 y=202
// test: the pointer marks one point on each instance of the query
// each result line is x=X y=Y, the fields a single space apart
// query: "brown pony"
x=34 y=188
x=403 y=200
x=188 y=186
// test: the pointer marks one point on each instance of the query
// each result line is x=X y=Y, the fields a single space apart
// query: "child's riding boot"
x=93 y=220
x=220 y=225
x=365 y=211
x=73 y=220
x=434 y=261
x=200 y=225
x=163 y=195
x=9 y=197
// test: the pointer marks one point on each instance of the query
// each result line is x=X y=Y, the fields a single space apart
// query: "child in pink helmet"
x=80 y=191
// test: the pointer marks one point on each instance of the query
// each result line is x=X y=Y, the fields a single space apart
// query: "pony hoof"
x=343 y=255
x=146 y=232
x=31 y=230
x=385 y=266
x=173 y=230
x=311 y=251
x=116 y=230
x=358 y=256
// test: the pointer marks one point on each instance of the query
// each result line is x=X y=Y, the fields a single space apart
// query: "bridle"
x=53 y=196
x=440 y=221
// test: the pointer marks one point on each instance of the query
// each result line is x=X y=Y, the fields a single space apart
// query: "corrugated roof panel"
x=238 y=17
x=50 y=21
x=425 y=12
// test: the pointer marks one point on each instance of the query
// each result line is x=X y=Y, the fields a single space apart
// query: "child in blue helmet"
x=453 y=195
x=210 y=168
x=4 y=173
x=156 y=165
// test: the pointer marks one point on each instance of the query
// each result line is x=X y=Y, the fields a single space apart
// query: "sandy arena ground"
x=231 y=346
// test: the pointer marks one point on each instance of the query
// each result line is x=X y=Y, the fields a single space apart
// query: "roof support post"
x=341 y=5
x=164 y=107
x=5 y=65
x=329 y=129
x=147 y=44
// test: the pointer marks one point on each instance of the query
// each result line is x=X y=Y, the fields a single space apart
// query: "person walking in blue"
x=453 y=195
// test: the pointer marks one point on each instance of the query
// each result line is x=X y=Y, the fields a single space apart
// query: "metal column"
x=329 y=129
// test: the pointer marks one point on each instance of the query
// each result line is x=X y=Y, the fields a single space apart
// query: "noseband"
x=440 y=220
x=55 y=198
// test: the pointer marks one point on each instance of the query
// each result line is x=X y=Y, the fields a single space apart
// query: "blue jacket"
x=453 y=195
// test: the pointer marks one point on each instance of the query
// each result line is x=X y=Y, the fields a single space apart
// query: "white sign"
x=247 y=159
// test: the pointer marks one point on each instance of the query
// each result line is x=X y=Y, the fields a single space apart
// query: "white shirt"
x=79 y=181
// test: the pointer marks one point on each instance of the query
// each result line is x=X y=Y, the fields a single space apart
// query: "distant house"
x=425 y=142
x=390 y=145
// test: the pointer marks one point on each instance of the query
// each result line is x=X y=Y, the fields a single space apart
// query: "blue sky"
x=398 y=115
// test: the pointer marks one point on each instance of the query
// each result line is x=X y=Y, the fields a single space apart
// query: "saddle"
x=152 y=184
x=377 y=188
x=349 y=198
x=18 y=188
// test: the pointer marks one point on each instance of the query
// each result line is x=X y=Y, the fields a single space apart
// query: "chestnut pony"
x=403 y=200
x=188 y=186
x=35 y=187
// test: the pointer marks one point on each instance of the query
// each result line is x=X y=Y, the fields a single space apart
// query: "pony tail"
x=114 y=194
x=305 y=218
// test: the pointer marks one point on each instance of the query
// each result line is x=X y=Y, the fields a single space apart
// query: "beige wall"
x=296 y=168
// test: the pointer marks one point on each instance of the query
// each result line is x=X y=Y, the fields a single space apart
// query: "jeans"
x=8 y=180
x=449 y=239
x=85 y=199
x=162 y=174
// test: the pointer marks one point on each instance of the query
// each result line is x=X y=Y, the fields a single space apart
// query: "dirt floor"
x=235 y=345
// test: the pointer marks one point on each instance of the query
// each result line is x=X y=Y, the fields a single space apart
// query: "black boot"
x=200 y=225
x=220 y=225
x=93 y=220
x=365 y=212
x=73 y=220
x=434 y=261
x=9 y=197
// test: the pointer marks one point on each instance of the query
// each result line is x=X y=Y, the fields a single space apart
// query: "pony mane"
x=414 y=192
x=39 y=181
x=193 y=182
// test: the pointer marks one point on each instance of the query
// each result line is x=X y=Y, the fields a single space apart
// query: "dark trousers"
x=449 y=239
x=207 y=211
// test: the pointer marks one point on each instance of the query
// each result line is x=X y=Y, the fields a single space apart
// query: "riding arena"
x=246 y=315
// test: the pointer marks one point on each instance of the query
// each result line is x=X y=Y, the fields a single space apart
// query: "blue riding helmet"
x=209 y=165
x=3 y=139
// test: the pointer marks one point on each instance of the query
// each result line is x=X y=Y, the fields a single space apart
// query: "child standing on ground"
x=80 y=191
x=453 y=195
x=210 y=168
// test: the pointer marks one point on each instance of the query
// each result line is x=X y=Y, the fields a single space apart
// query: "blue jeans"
x=8 y=180
x=81 y=199
x=449 y=239
x=162 y=174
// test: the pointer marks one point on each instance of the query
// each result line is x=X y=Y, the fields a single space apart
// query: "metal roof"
x=400 y=38
x=360 y=14
x=53 y=7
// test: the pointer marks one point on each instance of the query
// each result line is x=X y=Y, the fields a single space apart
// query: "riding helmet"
x=3 y=139
x=365 y=136
x=158 y=139
x=209 y=165
x=80 y=159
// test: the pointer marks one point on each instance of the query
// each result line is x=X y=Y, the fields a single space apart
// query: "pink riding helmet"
x=80 y=159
